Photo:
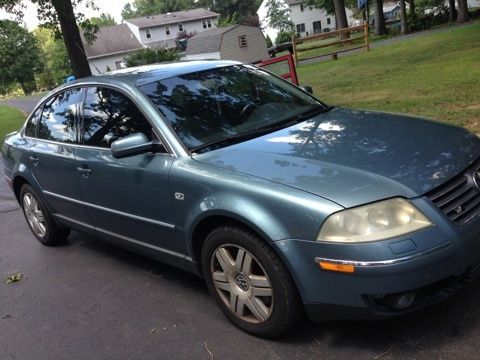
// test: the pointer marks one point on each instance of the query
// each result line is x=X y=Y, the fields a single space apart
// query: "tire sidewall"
x=27 y=189
x=249 y=242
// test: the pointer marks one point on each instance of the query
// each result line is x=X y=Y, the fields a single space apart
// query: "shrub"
x=152 y=56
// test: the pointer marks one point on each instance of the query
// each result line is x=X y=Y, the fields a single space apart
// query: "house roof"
x=111 y=40
x=207 y=41
x=172 y=18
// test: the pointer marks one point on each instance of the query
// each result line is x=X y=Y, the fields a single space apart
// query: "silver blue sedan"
x=284 y=205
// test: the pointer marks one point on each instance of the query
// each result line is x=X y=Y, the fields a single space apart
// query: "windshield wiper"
x=320 y=109
x=231 y=139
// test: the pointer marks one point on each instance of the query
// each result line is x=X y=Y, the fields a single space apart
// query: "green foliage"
x=12 y=120
x=19 y=57
x=278 y=16
x=103 y=20
x=152 y=56
x=139 y=8
x=269 y=41
x=55 y=57
x=284 y=37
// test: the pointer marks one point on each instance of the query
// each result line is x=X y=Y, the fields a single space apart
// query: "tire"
x=249 y=282
x=39 y=219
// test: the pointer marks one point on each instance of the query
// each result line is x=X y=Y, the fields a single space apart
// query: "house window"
x=207 y=23
x=204 y=24
x=167 y=30
x=242 y=41
x=317 y=27
x=300 y=28
x=148 y=34
x=180 y=27
x=301 y=7
x=328 y=21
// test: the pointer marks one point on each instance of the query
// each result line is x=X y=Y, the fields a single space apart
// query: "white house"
x=237 y=42
x=161 y=30
x=307 y=20
x=114 y=43
x=111 y=46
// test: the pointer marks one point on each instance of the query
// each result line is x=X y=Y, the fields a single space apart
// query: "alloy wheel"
x=242 y=283
x=34 y=215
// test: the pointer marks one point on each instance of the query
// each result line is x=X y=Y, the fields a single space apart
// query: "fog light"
x=402 y=301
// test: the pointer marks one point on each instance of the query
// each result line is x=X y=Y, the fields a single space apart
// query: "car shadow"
x=425 y=330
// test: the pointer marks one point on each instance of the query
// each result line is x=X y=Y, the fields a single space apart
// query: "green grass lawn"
x=435 y=75
x=11 y=119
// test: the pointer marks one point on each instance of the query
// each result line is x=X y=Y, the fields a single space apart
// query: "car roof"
x=142 y=75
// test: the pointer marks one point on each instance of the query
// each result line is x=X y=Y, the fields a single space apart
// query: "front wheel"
x=39 y=219
x=249 y=282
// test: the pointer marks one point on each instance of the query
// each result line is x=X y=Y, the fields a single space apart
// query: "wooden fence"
x=329 y=35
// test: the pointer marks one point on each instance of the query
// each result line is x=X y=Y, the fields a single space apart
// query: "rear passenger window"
x=57 y=122
x=31 y=127
x=109 y=115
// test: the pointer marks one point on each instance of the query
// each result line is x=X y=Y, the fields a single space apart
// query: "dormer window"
x=148 y=34
x=207 y=23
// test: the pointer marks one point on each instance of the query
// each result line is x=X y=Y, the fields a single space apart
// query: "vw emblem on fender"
x=241 y=282
x=476 y=179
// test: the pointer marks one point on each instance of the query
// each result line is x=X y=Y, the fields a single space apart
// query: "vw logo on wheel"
x=241 y=282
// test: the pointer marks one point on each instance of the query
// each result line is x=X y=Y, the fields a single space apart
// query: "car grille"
x=459 y=198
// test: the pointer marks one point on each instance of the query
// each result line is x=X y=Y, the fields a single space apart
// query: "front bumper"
x=433 y=263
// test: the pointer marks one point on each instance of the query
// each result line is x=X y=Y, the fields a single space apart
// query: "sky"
x=112 y=7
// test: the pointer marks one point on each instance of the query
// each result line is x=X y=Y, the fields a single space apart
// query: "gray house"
x=237 y=42
x=112 y=45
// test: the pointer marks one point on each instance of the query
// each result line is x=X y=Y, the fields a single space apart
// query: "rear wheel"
x=40 y=221
x=249 y=282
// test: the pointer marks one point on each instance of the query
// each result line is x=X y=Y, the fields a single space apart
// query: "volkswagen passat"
x=282 y=203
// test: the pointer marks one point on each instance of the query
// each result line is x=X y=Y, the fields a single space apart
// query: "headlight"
x=378 y=221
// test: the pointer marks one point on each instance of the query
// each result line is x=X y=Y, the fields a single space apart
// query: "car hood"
x=355 y=157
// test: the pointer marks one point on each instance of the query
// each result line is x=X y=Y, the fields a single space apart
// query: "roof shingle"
x=172 y=18
x=112 y=40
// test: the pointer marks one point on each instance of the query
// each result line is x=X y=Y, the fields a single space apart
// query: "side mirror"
x=308 y=89
x=134 y=144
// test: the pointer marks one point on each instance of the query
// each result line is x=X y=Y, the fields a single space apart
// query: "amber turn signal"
x=337 y=267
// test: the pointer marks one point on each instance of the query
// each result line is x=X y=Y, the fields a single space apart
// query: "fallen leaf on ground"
x=14 y=278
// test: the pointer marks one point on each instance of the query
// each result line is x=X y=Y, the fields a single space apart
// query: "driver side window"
x=109 y=115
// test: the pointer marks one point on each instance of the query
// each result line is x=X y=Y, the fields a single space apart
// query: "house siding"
x=255 y=50
x=158 y=33
x=99 y=65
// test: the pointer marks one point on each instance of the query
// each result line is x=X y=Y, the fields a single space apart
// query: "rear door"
x=52 y=154
x=128 y=199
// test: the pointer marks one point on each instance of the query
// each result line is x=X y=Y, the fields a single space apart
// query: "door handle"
x=84 y=170
x=34 y=159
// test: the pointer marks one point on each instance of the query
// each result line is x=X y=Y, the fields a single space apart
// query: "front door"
x=317 y=27
x=129 y=198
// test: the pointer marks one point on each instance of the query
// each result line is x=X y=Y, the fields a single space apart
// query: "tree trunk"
x=452 y=12
x=341 y=17
x=403 y=18
x=462 y=11
x=412 y=8
x=24 y=88
x=380 y=28
x=71 y=37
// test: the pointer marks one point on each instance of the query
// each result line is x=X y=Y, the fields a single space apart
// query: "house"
x=111 y=46
x=161 y=30
x=114 y=43
x=391 y=11
x=237 y=42
x=307 y=20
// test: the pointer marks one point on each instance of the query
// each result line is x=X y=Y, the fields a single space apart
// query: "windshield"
x=209 y=106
